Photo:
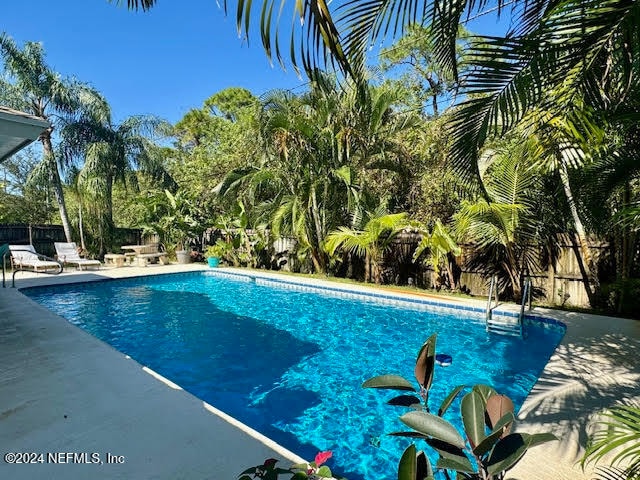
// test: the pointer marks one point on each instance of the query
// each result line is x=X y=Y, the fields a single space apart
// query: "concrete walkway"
x=66 y=393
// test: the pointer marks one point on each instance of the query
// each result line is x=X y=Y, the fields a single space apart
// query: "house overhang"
x=17 y=130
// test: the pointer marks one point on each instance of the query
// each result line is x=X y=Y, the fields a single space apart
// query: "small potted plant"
x=215 y=253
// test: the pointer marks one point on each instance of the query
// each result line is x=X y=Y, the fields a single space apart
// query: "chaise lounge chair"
x=25 y=257
x=68 y=254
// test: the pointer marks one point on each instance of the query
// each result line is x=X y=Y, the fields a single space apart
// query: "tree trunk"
x=583 y=254
x=434 y=96
x=56 y=183
x=80 y=226
x=315 y=214
x=109 y=227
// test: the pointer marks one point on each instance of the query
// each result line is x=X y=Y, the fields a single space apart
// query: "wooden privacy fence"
x=42 y=237
x=560 y=281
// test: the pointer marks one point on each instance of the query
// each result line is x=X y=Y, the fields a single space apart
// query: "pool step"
x=504 y=326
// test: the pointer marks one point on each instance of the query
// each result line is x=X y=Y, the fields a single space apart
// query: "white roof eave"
x=17 y=130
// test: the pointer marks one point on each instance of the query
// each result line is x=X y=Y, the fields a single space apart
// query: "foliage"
x=174 y=218
x=616 y=440
x=312 y=471
x=32 y=86
x=213 y=141
x=320 y=147
x=242 y=247
x=24 y=199
x=440 y=245
x=372 y=241
x=487 y=450
x=219 y=250
x=426 y=83
x=504 y=229
x=622 y=296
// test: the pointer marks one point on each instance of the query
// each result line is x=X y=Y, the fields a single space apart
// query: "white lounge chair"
x=26 y=257
x=68 y=254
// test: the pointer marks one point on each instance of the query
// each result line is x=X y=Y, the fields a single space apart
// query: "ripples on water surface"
x=290 y=364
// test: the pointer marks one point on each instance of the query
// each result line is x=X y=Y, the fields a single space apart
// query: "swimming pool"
x=290 y=363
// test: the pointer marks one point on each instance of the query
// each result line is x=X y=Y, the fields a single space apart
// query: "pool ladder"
x=503 y=327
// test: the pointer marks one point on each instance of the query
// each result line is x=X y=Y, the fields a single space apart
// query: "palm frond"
x=618 y=436
x=511 y=74
x=137 y=4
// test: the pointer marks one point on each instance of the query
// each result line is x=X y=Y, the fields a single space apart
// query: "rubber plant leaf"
x=408 y=466
x=425 y=470
x=455 y=455
x=497 y=407
x=485 y=391
x=507 y=452
x=472 y=409
x=540 y=438
x=501 y=430
x=425 y=362
x=450 y=464
x=324 y=472
x=405 y=401
x=391 y=382
x=449 y=400
x=433 y=426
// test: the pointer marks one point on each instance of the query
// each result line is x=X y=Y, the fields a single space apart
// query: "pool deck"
x=64 y=392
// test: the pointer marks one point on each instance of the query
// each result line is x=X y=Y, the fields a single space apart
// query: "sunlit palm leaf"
x=617 y=436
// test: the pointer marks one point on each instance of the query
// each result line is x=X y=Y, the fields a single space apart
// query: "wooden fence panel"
x=560 y=283
x=43 y=237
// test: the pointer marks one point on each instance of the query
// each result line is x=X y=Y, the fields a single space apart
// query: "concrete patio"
x=64 y=391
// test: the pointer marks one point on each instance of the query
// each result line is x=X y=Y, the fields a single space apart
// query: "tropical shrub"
x=441 y=248
x=617 y=438
x=371 y=241
x=218 y=250
x=488 y=448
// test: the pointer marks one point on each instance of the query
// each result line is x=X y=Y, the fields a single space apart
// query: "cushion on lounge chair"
x=25 y=256
x=68 y=253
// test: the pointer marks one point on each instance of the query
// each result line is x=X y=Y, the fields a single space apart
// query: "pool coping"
x=593 y=368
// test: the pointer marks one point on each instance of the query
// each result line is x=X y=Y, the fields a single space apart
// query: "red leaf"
x=322 y=457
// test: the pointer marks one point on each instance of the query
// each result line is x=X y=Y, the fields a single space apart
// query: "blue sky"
x=162 y=62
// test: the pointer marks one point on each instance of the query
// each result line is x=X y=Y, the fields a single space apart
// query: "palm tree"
x=440 y=245
x=38 y=90
x=505 y=229
x=114 y=153
x=371 y=241
x=321 y=149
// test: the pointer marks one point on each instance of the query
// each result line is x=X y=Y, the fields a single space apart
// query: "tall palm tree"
x=35 y=88
x=113 y=153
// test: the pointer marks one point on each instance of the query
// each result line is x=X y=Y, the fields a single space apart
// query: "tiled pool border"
x=385 y=298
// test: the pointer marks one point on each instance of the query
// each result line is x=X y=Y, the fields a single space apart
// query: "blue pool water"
x=290 y=363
